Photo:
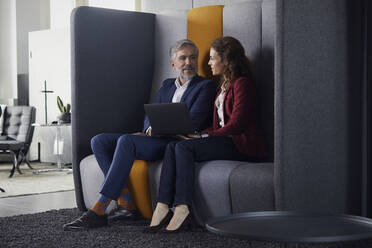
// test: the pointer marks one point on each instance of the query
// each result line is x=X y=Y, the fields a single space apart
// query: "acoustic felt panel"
x=138 y=183
x=204 y=25
x=112 y=59
x=317 y=103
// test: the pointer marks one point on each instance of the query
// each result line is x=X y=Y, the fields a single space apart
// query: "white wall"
x=60 y=11
x=31 y=15
x=156 y=6
x=114 y=4
x=8 y=50
x=51 y=62
x=17 y=18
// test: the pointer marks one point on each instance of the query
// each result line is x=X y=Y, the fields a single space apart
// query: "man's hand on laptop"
x=149 y=131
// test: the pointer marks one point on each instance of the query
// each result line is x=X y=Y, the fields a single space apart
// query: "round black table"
x=290 y=226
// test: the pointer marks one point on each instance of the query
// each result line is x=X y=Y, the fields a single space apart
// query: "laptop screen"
x=169 y=118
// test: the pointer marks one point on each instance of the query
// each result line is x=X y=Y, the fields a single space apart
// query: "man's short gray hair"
x=181 y=44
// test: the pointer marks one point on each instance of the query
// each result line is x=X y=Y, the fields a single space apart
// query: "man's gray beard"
x=187 y=77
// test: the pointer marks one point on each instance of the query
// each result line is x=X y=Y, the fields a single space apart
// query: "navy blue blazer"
x=199 y=98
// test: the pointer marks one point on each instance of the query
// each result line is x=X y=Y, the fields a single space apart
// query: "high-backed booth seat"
x=218 y=183
x=120 y=58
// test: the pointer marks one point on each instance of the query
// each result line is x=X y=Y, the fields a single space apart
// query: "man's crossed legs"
x=115 y=154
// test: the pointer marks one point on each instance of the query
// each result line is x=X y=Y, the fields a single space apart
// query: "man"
x=116 y=153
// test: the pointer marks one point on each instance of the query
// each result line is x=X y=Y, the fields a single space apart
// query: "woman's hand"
x=188 y=136
x=193 y=136
x=139 y=133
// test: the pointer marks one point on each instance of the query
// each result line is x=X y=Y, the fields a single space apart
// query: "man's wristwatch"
x=204 y=135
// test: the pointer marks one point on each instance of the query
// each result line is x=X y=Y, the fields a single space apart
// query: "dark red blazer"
x=240 y=118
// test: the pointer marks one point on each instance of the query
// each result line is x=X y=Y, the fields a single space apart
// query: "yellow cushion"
x=204 y=24
x=138 y=183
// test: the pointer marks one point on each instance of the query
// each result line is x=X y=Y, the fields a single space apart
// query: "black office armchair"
x=17 y=134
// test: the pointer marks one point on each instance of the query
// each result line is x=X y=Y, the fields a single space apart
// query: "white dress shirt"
x=180 y=90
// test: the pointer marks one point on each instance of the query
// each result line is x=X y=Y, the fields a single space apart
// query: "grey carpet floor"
x=45 y=230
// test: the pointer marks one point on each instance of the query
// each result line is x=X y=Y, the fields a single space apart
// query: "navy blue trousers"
x=177 y=174
x=115 y=154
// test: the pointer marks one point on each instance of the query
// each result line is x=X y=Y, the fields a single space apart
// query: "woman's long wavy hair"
x=238 y=65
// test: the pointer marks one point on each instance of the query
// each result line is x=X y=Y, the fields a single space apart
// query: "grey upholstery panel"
x=170 y=26
x=91 y=181
x=246 y=28
x=317 y=124
x=252 y=187
x=212 y=189
x=268 y=24
x=112 y=70
x=255 y=28
x=201 y=3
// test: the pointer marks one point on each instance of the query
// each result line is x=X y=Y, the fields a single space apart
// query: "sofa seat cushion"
x=218 y=180
x=252 y=187
x=212 y=188
x=92 y=179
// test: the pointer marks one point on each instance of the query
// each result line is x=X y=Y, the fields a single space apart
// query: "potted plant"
x=65 y=116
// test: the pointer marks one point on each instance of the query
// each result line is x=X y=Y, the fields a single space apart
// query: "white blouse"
x=219 y=105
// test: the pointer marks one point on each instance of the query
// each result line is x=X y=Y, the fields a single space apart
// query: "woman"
x=233 y=136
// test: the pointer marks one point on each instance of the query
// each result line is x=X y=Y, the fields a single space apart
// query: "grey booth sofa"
x=119 y=59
